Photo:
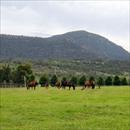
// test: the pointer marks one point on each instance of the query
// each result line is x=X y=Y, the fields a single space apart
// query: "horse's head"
x=36 y=83
x=57 y=83
x=33 y=83
x=86 y=82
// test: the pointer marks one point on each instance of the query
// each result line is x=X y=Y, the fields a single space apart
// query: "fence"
x=11 y=85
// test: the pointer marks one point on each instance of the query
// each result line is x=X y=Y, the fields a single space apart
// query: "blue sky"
x=46 y=18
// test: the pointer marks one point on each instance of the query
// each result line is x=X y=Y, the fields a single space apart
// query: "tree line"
x=23 y=73
x=108 y=81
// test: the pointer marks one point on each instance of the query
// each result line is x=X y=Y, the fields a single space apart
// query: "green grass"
x=107 y=108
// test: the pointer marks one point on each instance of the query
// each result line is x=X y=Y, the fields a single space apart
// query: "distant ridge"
x=71 y=45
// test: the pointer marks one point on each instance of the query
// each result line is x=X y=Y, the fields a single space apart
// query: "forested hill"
x=71 y=45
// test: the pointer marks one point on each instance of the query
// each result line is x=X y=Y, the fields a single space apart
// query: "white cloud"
x=107 y=18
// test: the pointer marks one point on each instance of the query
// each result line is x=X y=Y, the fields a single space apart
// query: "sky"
x=46 y=18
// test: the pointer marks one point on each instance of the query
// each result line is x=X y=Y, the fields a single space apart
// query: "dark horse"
x=32 y=84
x=69 y=84
x=46 y=85
x=89 y=84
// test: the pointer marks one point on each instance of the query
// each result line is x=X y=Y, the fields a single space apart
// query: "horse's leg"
x=69 y=87
x=93 y=86
x=82 y=88
x=59 y=87
x=89 y=86
x=28 y=87
x=73 y=87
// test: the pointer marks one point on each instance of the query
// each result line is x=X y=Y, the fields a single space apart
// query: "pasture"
x=107 y=108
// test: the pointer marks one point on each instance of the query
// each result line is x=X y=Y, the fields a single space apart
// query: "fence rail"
x=11 y=85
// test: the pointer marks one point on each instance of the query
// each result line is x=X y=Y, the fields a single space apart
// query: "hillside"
x=71 y=45
x=78 y=68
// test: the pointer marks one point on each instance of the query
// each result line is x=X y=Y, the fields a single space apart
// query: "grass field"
x=107 y=108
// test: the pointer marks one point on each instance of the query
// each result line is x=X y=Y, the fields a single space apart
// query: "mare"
x=32 y=85
x=89 y=84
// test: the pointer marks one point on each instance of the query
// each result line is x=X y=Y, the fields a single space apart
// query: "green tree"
x=64 y=79
x=100 y=81
x=129 y=81
x=1 y=75
x=43 y=80
x=108 y=81
x=82 y=80
x=116 y=80
x=5 y=74
x=74 y=80
x=92 y=78
x=21 y=72
x=124 y=81
x=53 y=80
x=31 y=78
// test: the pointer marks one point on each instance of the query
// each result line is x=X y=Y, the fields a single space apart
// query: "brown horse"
x=58 y=84
x=32 y=84
x=89 y=84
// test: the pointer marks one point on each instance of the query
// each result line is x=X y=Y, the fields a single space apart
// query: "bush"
x=124 y=81
x=108 y=80
x=43 y=80
x=100 y=81
x=82 y=80
x=92 y=78
x=74 y=80
x=116 y=80
x=53 y=80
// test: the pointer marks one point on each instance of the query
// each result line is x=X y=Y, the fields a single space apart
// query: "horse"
x=46 y=85
x=64 y=84
x=69 y=84
x=32 y=84
x=58 y=84
x=89 y=84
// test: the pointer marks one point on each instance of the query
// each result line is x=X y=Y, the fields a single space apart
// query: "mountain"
x=71 y=45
